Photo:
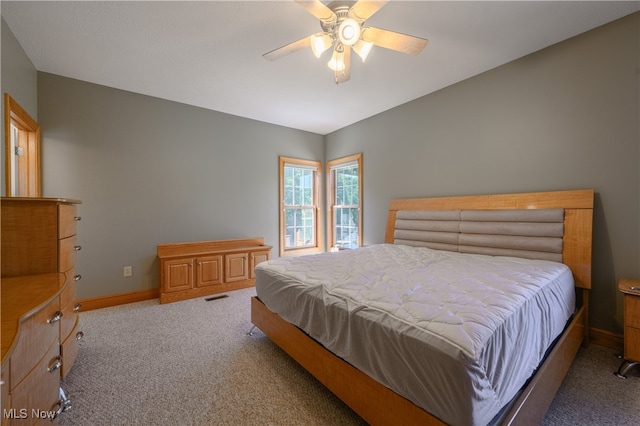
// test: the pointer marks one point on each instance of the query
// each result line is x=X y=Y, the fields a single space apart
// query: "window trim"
x=318 y=247
x=332 y=164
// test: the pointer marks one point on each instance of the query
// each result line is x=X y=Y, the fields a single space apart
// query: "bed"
x=429 y=328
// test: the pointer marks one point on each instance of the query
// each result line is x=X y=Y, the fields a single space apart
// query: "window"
x=344 y=185
x=299 y=221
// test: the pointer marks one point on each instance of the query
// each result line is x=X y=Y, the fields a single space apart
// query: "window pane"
x=288 y=186
x=307 y=188
x=346 y=227
x=308 y=197
x=288 y=196
x=347 y=185
x=340 y=195
x=299 y=227
x=298 y=186
x=296 y=194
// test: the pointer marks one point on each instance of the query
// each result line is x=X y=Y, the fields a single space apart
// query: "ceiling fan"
x=343 y=29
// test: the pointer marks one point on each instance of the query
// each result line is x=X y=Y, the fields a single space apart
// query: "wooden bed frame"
x=377 y=404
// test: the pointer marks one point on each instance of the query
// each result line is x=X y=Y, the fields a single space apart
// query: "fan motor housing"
x=341 y=9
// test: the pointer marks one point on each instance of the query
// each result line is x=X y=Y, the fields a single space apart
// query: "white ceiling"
x=209 y=54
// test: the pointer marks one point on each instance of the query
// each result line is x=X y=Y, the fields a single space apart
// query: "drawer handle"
x=77 y=277
x=79 y=335
x=77 y=248
x=57 y=316
x=77 y=218
x=77 y=307
x=57 y=363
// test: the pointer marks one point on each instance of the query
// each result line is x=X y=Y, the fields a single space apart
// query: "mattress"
x=457 y=334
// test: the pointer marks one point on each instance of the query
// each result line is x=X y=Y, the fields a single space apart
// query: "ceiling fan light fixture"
x=320 y=43
x=342 y=24
x=362 y=48
x=336 y=63
x=349 y=32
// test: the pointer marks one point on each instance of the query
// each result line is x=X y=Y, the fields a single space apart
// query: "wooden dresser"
x=631 y=290
x=31 y=360
x=38 y=303
x=202 y=268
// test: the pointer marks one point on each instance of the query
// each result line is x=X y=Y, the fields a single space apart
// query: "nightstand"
x=631 y=290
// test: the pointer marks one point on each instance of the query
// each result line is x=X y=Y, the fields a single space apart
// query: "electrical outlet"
x=128 y=271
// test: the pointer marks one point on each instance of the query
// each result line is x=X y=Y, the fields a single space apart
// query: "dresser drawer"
x=69 y=349
x=4 y=388
x=67 y=248
x=39 y=389
x=632 y=343
x=37 y=334
x=66 y=220
x=69 y=307
x=632 y=311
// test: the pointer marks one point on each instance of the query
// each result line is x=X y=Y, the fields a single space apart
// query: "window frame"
x=318 y=246
x=331 y=196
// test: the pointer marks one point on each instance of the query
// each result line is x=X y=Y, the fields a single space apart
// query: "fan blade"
x=319 y=10
x=364 y=9
x=345 y=74
x=394 y=41
x=289 y=48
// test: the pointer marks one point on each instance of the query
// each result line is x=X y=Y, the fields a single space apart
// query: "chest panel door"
x=256 y=258
x=209 y=271
x=178 y=274
x=236 y=267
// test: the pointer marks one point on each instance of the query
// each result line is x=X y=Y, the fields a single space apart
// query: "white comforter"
x=457 y=334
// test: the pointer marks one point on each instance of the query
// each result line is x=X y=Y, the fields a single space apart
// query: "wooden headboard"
x=578 y=219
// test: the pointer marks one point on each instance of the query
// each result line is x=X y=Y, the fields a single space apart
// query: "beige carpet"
x=192 y=363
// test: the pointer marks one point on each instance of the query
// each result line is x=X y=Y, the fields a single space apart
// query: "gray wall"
x=565 y=117
x=150 y=171
x=19 y=79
